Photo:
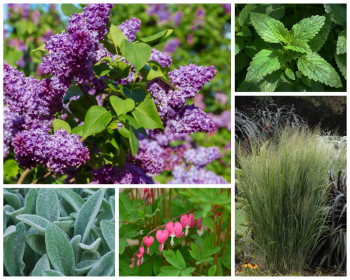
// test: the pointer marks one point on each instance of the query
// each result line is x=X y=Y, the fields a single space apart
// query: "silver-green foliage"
x=69 y=230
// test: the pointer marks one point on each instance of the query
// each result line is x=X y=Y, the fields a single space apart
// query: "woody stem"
x=163 y=226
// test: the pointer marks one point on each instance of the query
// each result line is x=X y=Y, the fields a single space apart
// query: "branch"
x=163 y=226
x=48 y=174
x=86 y=94
x=24 y=175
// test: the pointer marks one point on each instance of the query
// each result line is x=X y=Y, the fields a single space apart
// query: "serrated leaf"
x=298 y=46
x=239 y=45
x=245 y=32
x=290 y=74
x=268 y=84
x=337 y=11
x=307 y=28
x=105 y=266
x=244 y=15
x=341 y=43
x=252 y=48
x=264 y=63
x=316 y=68
x=241 y=61
x=269 y=29
x=275 y=11
x=317 y=42
x=341 y=62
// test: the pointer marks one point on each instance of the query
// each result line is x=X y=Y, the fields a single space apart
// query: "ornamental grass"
x=283 y=189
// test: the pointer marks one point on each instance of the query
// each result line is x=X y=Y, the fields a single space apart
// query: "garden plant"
x=108 y=109
x=59 y=232
x=294 y=203
x=175 y=232
x=291 y=47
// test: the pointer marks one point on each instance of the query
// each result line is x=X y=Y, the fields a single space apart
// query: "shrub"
x=59 y=232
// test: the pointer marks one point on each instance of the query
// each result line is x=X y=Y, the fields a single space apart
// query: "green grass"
x=239 y=220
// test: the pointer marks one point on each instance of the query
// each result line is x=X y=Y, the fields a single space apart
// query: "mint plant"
x=175 y=232
x=279 y=53
x=59 y=232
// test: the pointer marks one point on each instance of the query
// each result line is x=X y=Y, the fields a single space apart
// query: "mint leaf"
x=269 y=29
x=241 y=61
x=341 y=62
x=245 y=32
x=264 y=63
x=244 y=15
x=337 y=11
x=316 y=68
x=298 y=46
x=239 y=45
x=317 y=42
x=290 y=74
x=268 y=84
x=341 y=43
x=307 y=28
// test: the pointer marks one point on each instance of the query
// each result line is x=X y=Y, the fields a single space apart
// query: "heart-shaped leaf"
x=57 y=124
x=138 y=94
x=147 y=115
x=137 y=54
x=70 y=9
x=121 y=106
x=96 y=120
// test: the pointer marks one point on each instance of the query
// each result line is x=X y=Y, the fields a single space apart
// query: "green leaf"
x=70 y=9
x=90 y=255
x=173 y=259
x=147 y=115
x=122 y=69
x=252 y=48
x=290 y=74
x=12 y=199
x=92 y=247
x=239 y=45
x=13 y=56
x=122 y=244
x=13 y=249
x=307 y=28
x=66 y=226
x=121 y=106
x=108 y=231
x=316 y=68
x=96 y=120
x=212 y=271
x=11 y=167
x=341 y=43
x=79 y=130
x=244 y=15
x=155 y=71
x=87 y=214
x=138 y=94
x=195 y=253
x=341 y=62
x=9 y=211
x=74 y=242
x=269 y=29
x=72 y=91
x=30 y=202
x=117 y=37
x=180 y=259
x=47 y=205
x=188 y=271
x=137 y=54
x=317 y=42
x=50 y=272
x=145 y=269
x=275 y=11
x=157 y=38
x=337 y=11
x=57 y=124
x=241 y=62
x=37 y=222
x=169 y=271
x=72 y=198
x=207 y=259
x=245 y=32
x=42 y=264
x=58 y=249
x=101 y=69
x=41 y=48
x=134 y=141
x=105 y=266
x=84 y=267
x=80 y=107
x=298 y=46
x=264 y=63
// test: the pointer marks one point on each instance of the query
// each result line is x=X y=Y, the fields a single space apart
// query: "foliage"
x=205 y=250
x=283 y=189
x=69 y=230
x=292 y=47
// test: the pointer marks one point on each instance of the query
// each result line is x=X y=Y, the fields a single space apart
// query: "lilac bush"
x=91 y=133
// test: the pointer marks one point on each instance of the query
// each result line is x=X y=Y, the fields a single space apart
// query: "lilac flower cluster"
x=159 y=10
x=177 y=17
x=222 y=120
x=148 y=161
x=13 y=123
x=202 y=156
x=22 y=9
x=163 y=58
x=195 y=175
x=171 y=46
x=58 y=152
x=227 y=8
x=199 y=20
x=130 y=174
x=92 y=20
x=130 y=27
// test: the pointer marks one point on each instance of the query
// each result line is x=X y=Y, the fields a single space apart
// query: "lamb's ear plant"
x=297 y=59
x=59 y=232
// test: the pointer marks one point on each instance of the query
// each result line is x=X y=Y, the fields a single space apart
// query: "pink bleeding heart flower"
x=140 y=256
x=199 y=225
x=132 y=263
x=187 y=222
x=148 y=242
x=216 y=214
x=162 y=236
x=174 y=230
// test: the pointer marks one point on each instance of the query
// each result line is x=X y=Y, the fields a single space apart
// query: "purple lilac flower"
x=198 y=101
x=190 y=40
x=163 y=58
x=227 y=8
x=177 y=17
x=222 y=120
x=35 y=16
x=13 y=123
x=195 y=175
x=130 y=27
x=148 y=161
x=190 y=119
x=129 y=174
x=221 y=97
x=22 y=9
x=202 y=156
x=172 y=45
x=154 y=9
x=18 y=44
x=58 y=152
x=199 y=20
x=92 y=20
x=163 y=17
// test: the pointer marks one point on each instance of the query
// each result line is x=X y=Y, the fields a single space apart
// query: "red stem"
x=161 y=227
